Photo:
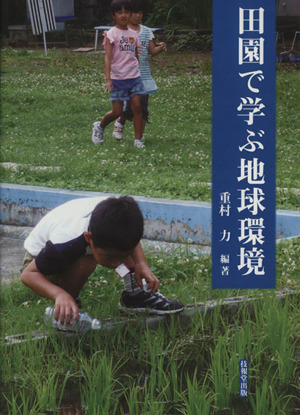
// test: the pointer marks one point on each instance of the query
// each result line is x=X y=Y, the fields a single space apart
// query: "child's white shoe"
x=98 y=132
x=139 y=143
x=118 y=130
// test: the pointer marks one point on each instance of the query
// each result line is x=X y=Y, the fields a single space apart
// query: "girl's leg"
x=144 y=103
x=137 y=116
x=117 y=109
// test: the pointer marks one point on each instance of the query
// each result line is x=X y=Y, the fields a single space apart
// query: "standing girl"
x=122 y=72
x=146 y=37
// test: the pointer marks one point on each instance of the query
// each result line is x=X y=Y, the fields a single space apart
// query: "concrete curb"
x=165 y=219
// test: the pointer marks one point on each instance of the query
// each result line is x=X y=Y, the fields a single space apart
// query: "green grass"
x=48 y=108
x=49 y=105
x=173 y=370
x=183 y=275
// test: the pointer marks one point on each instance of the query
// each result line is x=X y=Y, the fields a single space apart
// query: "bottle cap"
x=96 y=324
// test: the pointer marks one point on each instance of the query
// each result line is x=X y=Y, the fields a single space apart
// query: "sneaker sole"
x=117 y=138
x=97 y=142
x=148 y=310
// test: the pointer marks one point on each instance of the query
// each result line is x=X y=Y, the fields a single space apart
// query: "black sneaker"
x=152 y=303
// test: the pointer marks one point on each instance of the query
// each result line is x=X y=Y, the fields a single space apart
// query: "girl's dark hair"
x=117 y=223
x=116 y=5
x=137 y=6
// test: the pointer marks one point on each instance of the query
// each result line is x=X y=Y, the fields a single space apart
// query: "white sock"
x=130 y=283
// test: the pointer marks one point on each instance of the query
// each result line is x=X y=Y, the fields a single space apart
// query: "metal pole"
x=43 y=20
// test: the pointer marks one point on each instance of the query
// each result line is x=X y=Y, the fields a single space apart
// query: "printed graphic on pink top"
x=124 y=64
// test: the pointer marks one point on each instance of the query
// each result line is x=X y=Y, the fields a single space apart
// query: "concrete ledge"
x=165 y=219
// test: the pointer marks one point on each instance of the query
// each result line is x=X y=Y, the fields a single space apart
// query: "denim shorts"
x=125 y=89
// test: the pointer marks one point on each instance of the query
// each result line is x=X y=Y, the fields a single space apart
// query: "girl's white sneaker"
x=98 y=132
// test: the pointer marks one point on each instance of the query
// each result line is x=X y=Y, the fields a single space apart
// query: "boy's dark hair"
x=116 y=5
x=117 y=224
x=137 y=6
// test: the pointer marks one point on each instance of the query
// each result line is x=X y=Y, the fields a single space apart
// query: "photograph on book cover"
x=220 y=207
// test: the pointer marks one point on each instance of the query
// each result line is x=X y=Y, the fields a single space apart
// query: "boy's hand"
x=65 y=308
x=108 y=85
x=143 y=271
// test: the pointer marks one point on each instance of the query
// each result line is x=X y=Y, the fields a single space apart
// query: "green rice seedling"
x=139 y=400
x=197 y=399
x=153 y=408
x=37 y=393
x=47 y=389
x=99 y=393
x=239 y=347
x=157 y=378
x=20 y=404
x=274 y=321
x=175 y=382
x=132 y=399
x=219 y=373
x=266 y=401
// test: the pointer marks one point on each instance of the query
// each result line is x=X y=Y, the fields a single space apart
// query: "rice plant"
x=266 y=401
x=198 y=399
x=219 y=374
x=274 y=320
x=99 y=393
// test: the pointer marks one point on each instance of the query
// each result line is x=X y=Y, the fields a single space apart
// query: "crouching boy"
x=65 y=247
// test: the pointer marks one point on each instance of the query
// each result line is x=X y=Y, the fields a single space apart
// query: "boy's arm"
x=107 y=66
x=142 y=269
x=157 y=48
x=65 y=305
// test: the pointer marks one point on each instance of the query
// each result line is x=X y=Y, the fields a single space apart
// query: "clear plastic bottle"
x=83 y=324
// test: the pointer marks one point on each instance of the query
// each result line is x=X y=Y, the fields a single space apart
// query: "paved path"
x=11 y=251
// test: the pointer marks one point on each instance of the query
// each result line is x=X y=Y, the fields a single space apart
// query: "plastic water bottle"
x=84 y=323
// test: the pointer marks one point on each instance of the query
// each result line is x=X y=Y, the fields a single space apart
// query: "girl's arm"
x=107 y=65
x=157 y=48
x=138 y=49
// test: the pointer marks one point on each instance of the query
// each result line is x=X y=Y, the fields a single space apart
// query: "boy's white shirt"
x=62 y=224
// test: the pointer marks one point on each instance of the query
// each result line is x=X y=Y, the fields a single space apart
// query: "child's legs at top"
x=136 y=106
x=117 y=109
x=120 y=92
x=128 y=114
x=135 y=93
x=144 y=103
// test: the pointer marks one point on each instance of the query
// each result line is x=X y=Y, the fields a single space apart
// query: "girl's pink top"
x=124 y=64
